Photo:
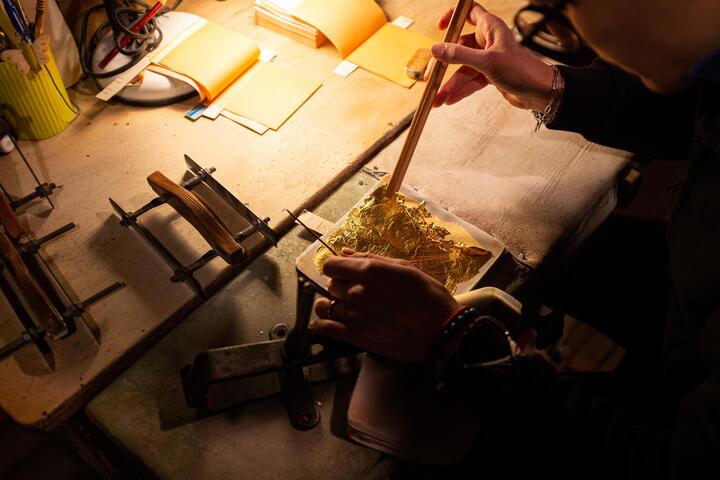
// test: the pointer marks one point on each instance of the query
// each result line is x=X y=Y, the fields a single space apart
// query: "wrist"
x=541 y=93
x=549 y=112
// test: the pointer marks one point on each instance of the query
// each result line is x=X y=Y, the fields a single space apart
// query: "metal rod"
x=27 y=164
x=317 y=237
x=433 y=85
x=53 y=234
x=99 y=295
x=179 y=270
x=189 y=184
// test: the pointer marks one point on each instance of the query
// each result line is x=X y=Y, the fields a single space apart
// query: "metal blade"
x=240 y=207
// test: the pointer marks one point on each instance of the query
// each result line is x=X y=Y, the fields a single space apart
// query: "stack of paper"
x=359 y=31
x=235 y=79
x=276 y=15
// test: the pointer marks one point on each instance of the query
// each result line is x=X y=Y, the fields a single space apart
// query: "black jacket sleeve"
x=611 y=107
x=559 y=425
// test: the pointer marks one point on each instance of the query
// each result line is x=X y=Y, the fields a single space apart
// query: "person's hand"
x=491 y=55
x=384 y=305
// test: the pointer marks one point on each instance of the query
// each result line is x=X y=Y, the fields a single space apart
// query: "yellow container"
x=39 y=105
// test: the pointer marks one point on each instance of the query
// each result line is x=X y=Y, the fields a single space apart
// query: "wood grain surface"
x=200 y=215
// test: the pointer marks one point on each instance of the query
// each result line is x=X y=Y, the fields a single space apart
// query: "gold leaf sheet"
x=399 y=227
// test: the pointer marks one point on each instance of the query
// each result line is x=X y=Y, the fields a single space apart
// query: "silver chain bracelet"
x=548 y=115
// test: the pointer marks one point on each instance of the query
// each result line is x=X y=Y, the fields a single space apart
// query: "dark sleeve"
x=696 y=441
x=611 y=107
x=561 y=426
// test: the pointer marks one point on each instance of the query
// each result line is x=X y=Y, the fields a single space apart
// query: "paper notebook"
x=362 y=35
x=274 y=14
x=225 y=67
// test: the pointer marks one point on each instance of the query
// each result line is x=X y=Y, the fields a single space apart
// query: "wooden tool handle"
x=44 y=311
x=9 y=220
x=433 y=85
x=199 y=214
x=40 y=9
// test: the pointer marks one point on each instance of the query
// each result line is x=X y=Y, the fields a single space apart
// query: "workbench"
x=110 y=149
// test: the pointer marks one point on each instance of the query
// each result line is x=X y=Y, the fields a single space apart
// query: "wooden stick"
x=40 y=9
x=462 y=10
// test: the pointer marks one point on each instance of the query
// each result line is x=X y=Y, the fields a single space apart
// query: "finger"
x=459 y=79
x=445 y=19
x=396 y=261
x=477 y=13
x=474 y=11
x=361 y=267
x=322 y=307
x=339 y=288
x=332 y=329
x=466 y=90
x=468 y=40
x=458 y=54
x=337 y=311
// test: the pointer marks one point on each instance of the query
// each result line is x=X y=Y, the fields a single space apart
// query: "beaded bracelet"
x=453 y=324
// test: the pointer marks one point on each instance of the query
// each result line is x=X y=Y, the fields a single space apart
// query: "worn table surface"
x=538 y=193
x=173 y=441
x=109 y=150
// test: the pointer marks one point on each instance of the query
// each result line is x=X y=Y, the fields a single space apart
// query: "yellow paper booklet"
x=362 y=35
x=226 y=69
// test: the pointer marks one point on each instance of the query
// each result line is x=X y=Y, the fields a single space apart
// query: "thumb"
x=454 y=53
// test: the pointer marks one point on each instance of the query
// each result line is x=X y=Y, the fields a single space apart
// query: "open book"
x=359 y=31
x=225 y=67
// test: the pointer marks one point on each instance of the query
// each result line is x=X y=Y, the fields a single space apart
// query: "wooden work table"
x=111 y=148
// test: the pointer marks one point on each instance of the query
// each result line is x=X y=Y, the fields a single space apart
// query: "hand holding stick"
x=452 y=35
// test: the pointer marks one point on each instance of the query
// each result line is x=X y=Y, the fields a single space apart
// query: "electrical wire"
x=72 y=107
x=121 y=18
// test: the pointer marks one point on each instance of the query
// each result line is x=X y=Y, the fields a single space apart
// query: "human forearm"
x=611 y=107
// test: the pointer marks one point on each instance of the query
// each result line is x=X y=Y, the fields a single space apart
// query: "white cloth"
x=538 y=193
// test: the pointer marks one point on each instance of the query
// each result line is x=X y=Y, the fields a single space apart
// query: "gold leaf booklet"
x=358 y=29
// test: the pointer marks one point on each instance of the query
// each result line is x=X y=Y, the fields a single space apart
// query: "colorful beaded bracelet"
x=454 y=323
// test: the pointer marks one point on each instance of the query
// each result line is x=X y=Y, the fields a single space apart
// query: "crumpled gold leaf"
x=393 y=227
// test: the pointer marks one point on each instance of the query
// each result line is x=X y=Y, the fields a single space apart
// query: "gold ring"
x=330 y=309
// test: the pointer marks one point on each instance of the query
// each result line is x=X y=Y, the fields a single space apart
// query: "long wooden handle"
x=9 y=220
x=437 y=73
x=199 y=214
x=44 y=311
x=40 y=9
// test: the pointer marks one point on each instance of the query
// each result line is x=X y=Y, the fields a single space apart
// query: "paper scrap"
x=316 y=223
x=246 y=122
x=267 y=55
x=345 y=68
x=212 y=111
x=196 y=112
x=403 y=22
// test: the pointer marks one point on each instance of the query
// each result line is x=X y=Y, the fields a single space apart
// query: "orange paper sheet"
x=268 y=93
x=360 y=32
x=387 y=52
x=346 y=23
x=213 y=57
